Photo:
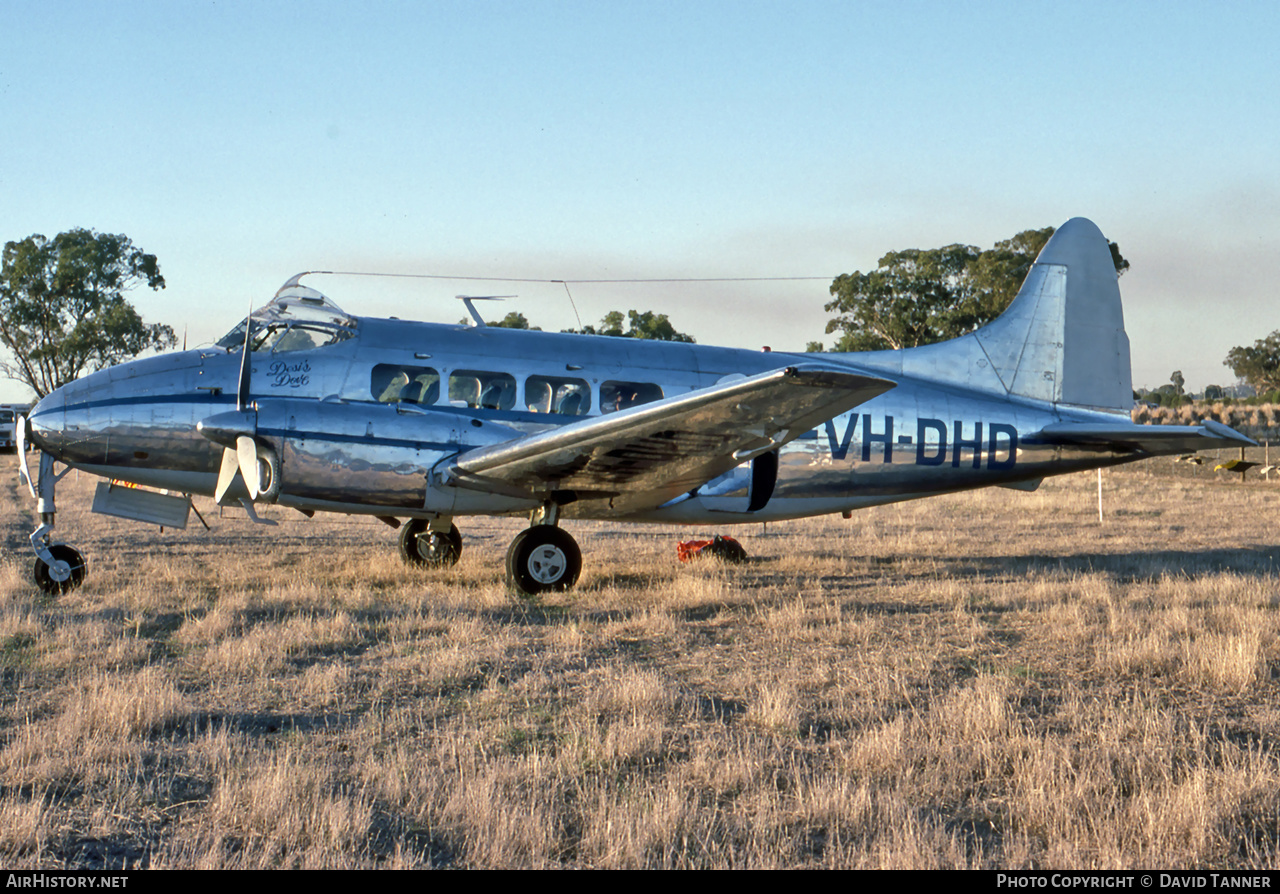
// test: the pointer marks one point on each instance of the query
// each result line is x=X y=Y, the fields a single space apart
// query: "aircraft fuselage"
x=346 y=444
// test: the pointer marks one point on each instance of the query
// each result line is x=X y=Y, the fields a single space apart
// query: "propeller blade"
x=21 y=432
x=247 y=454
x=242 y=385
x=226 y=475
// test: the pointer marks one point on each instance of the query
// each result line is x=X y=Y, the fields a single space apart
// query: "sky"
x=243 y=142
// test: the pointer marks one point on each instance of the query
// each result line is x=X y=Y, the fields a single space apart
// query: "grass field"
x=994 y=679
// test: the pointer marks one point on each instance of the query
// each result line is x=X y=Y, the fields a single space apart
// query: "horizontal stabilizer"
x=644 y=456
x=1156 y=440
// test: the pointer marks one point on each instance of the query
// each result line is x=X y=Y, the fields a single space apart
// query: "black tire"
x=419 y=546
x=543 y=559
x=44 y=580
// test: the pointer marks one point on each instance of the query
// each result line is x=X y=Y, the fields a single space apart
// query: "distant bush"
x=1253 y=418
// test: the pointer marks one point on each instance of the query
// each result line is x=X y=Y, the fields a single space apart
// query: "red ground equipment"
x=725 y=548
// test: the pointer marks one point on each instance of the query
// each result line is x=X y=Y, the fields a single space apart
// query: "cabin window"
x=548 y=394
x=392 y=383
x=479 y=389
x=616 y=396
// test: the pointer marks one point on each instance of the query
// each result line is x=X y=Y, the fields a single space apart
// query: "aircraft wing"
x=647 y=455
x=1152 y=439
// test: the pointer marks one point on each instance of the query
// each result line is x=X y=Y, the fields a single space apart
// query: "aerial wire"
x=566 y=282
x=574 y=281
x=572 y=303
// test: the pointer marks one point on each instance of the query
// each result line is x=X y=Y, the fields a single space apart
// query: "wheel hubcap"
x=547 y=564
x=434 y=548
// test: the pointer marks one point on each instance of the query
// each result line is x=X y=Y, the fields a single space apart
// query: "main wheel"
x=44 y=575
x=543 y=559
x=420 y=546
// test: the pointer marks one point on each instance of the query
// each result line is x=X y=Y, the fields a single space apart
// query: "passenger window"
x=482 y=390
x=616 y=396
x=392 y=383
x=567 y=397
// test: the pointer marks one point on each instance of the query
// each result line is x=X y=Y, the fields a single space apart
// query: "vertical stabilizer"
x=1062 y=339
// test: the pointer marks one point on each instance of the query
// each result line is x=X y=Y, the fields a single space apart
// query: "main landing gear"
x=542 y=558
x=427 y=544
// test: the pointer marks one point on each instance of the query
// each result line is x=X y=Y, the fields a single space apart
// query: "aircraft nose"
x=48 y=420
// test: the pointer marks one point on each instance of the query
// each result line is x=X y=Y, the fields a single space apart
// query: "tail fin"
x=1061 y=340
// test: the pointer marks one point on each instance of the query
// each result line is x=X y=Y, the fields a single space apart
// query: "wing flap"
x=649 y=454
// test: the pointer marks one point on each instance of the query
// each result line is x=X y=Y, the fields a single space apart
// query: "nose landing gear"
x=58 y=568
x=63 y=574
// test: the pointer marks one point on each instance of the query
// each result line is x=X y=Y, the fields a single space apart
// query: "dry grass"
x=985 y=680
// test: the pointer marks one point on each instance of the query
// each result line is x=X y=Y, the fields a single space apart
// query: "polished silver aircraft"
x=306 y=406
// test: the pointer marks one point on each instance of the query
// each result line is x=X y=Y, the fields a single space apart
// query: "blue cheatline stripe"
x=297 y=434
x=213 y=399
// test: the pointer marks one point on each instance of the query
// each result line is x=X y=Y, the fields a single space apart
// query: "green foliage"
x=1214 y=392
x=639 y=325
x=1165 y=396
x=63 y=310
x=920 y=296
x=1178 y=382
x=1259 y=365
x=513 y=320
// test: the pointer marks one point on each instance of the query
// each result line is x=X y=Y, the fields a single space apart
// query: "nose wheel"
x=63 y=574
x=543 y=559
x=58 y=568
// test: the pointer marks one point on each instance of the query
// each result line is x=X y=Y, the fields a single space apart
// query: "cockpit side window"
x=282 y=337
x=481 y=389
x=616 y=396
x=298 y=318
x=391 y=383
x=548 y=394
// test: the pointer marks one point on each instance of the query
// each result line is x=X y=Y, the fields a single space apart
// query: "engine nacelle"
x=371 y=454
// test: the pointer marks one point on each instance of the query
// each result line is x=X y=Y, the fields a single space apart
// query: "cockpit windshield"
x=298 y=318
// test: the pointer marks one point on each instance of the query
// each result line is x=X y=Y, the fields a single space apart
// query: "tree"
x=917 y=297
x=1258 y=365
x=63 y=310
x=640 y=325
x=1178 y=382
x=513 y=320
